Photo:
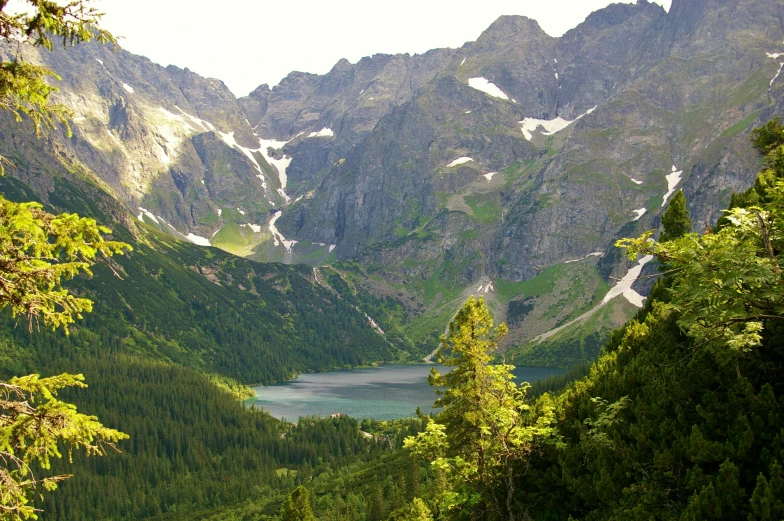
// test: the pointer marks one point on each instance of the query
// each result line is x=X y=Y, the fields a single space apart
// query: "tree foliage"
x=38 y=251
x=769 y=136
x=485 y=433
x=34 y=424
x=297 y=506
x=727 y=283
x=415 y=511
x=675 y=219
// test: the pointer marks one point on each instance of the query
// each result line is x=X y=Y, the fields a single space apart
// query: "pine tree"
x=297 y=506
x=675 y=219
x=415 y=511
x=486 y=430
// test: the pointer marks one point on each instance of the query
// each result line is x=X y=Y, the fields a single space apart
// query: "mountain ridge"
x=496 y=160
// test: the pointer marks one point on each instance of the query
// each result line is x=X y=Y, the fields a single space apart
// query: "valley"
x=300 y=251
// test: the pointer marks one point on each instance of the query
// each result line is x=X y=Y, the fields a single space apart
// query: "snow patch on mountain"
x=635 y=181
x=255 y=227
x=143 y=212
x=281 y=165
x=624 y=286
x=459 y=161
x=529 y=125
x=781 y=66
x=775 y=56
x=491 y=89
x=485 y=288
x=594 y=254
x=196 y=239
x=673 y=179
x=489 y=175
x=551 y=126
x=277 y=237
x=206 y=125
x=128 y=88
x=639 y=213
x=175 y=118
x=324 y=132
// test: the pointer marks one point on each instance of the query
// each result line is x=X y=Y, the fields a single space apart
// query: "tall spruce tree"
x=485 y=432
x=675 y=219
x=416 y=510
x=297 y=506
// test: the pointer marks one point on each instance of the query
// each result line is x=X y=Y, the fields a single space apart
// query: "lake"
x=381 y=393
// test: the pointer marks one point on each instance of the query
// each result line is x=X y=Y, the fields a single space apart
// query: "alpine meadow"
x=605 y=207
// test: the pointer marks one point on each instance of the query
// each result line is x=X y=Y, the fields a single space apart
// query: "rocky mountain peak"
x=688 y=9
x=616 y=14
x=342 y=65
x=509 y=29
x=255 y=104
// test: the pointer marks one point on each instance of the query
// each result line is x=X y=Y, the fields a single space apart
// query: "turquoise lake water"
x=382 y=393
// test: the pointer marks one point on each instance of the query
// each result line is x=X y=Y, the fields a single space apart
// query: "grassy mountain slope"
x=201 y=307
x=163 y=351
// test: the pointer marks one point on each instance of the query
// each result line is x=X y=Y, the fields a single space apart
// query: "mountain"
x=204 y=309
x=485 y=169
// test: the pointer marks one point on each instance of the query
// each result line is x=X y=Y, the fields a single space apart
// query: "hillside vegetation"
x=679 y=419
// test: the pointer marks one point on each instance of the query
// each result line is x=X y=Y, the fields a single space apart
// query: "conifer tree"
x=416 y=510
x=486 y=431
x=38 y=251
x=297 y=506
x=675 y=219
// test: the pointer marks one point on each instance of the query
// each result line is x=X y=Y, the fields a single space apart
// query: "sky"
x=249 y=42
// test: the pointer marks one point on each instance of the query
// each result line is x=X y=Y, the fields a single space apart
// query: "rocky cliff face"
x=488 y=163
x=641 y=87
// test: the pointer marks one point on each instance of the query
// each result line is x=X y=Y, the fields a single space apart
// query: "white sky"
x=249 y=42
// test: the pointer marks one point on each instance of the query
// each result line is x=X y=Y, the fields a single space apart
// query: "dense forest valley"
x=680 y=418
x=140 y=340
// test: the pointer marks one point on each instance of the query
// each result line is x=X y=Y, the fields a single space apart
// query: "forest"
x=680 y=417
